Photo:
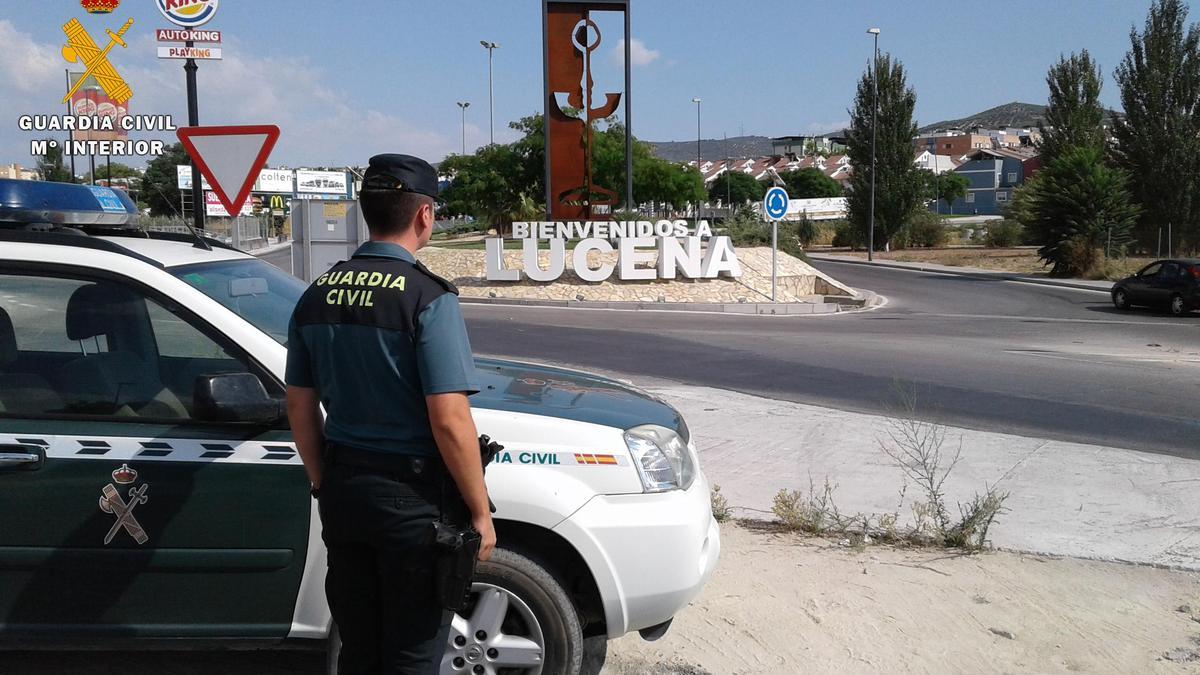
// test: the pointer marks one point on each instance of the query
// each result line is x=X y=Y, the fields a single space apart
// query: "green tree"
x=947 y=186
x=119 y=170
x=489 y=185
x=160 y=182
x=1158 y=140
x=810 y=183
x=897 y=185
x=1073 y=208
x=1074 y=116
x=741 y=188
x=50 y=165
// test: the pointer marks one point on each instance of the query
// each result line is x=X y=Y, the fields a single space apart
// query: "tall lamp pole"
x=698 y=170
x=463 y=105
x=697 y=102
x=490 y=46
x=874 y=115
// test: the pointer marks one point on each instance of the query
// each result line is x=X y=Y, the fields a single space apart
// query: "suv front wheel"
x=519 y=620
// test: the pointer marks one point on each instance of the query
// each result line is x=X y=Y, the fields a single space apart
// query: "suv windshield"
x=257 y=291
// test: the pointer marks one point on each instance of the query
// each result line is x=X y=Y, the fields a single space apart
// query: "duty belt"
x=407 y=467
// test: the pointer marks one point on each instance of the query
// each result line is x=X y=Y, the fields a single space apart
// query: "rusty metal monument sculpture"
x=571 y=38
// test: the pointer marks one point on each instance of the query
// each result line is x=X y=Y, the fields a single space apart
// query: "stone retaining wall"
x=797 y=281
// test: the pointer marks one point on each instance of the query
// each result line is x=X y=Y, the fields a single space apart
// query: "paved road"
x=1001 y=356
x=996 y=356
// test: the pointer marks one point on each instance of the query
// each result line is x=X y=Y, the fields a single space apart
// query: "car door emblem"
x=111 y=502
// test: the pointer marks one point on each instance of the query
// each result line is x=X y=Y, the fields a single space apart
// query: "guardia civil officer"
x=379 y=340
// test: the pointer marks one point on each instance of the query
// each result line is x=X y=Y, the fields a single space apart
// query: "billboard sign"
x=274 y=180
x=90 y=100
x=183 y=178
x=187 y=13
x=322 y=182
x=214 y=208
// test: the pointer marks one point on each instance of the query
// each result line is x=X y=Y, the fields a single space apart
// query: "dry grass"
x=1022 y=260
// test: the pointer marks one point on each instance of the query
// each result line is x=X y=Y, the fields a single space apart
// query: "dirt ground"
x=1019 y=260
x=783 y=603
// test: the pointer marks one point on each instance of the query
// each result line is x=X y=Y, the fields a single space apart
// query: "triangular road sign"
x=230 y=158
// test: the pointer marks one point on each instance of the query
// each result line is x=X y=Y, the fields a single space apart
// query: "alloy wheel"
x=499 y=635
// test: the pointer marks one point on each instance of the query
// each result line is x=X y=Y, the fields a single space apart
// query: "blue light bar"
x=30 y=201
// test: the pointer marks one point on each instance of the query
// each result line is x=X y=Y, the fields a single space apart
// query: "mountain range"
x=1015 y=114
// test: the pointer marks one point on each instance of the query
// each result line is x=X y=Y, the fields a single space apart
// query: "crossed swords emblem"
x=111 y=502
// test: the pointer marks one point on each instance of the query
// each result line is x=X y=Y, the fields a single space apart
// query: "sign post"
x=188 y=17
x=230 y=159
x=775 y=207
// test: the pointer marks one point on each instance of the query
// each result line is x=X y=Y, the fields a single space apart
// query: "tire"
x=1120 y=299
x=333 y=648
x=595 y=653
x=1178 y=306
x=537 y=612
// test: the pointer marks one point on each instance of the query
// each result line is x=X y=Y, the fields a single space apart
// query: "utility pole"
x=491 y=47
x=70 y=134
x=874 y=118
x=463 y=105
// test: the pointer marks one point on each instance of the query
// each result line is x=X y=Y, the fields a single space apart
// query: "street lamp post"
x=490 y=46
x=874 y=116
x=463 y=105
x=698 y=170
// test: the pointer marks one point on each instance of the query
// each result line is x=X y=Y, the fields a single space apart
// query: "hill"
x=1013 y=114
x=712 y=148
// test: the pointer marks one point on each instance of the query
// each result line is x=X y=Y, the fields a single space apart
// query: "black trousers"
x=378 y=528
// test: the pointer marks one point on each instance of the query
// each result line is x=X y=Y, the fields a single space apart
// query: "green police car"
x=151 y=494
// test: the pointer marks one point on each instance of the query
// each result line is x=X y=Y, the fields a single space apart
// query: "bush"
x=924 y=229
x=747 y=229
x=1003 y=234
x=812 y=513
x=807 y=231
x=846 y=234
x=1081 y=258
x=721 y=510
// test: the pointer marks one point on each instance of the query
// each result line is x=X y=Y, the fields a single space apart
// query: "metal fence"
x=247 y=233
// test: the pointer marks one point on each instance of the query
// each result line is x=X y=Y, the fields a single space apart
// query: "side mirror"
x=234 y=397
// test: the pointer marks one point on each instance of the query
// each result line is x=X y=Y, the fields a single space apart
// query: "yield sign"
x=230 y=158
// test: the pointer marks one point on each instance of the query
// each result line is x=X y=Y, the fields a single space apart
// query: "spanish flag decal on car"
x=582 y=458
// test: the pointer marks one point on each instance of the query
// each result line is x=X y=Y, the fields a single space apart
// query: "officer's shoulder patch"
x=445 y=284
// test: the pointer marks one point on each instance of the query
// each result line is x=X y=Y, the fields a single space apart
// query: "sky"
x=346 y=80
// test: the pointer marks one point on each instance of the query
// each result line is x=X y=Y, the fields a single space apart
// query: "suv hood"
x=567 y=394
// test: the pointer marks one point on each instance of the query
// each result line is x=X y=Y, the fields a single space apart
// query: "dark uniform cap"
x=401 y=172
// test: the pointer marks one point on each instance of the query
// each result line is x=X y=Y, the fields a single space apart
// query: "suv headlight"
x=661 y=457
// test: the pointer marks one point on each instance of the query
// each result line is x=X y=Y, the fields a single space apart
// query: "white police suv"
x=150 y=491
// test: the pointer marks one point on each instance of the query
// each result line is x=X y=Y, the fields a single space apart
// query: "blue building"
x=993 y=176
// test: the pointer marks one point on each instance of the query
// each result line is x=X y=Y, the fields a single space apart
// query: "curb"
x=830 y=305
x=992 y=276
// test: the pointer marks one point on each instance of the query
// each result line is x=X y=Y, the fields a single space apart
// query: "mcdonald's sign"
x=279 y=205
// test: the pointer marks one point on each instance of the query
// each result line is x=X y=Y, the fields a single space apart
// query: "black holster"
x=456 y=542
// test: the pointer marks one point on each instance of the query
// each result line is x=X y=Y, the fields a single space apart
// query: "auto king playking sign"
x=681 y=252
